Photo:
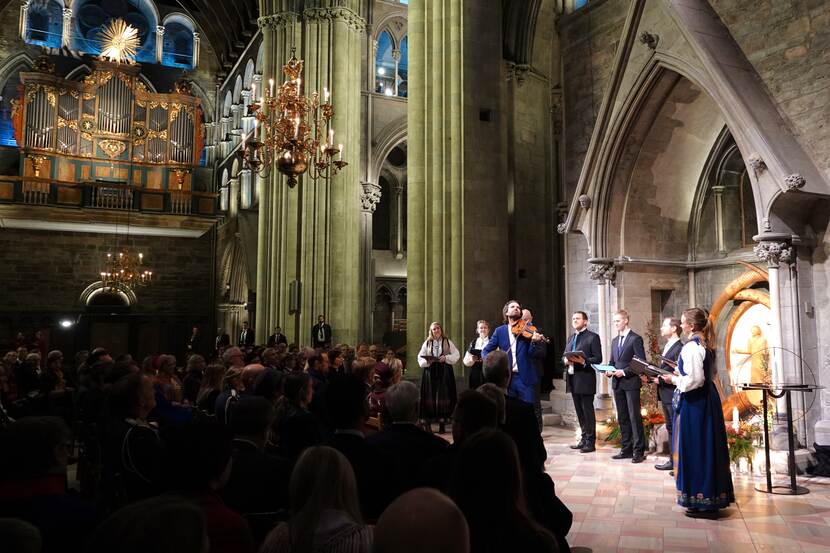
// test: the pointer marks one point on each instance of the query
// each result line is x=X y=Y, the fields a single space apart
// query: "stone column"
x=396 y=205
x=369 y=198
x=309 y=238
x=236 y=116
x=718 y=191
x=247 y=120
x=396 y=55
x=602 y=271
x=24 y=19
x=435 y=269
x=774 y=248
x=196 y=45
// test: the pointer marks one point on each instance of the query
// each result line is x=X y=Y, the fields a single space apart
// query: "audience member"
x=233 y=386
x=402 y=440
x=298 y=427
x=19 y=536
x=164 y=524
x=495 y=507
x=326 y=514
x=422 y=520
x=33 y=483
x=210 y=388
x=258 y=482
x=194 y=372
x=198 y=466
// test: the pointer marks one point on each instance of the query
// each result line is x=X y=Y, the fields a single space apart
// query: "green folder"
x=604 y=368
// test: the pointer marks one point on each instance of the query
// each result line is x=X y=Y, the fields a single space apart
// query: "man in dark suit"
x=582 y=378
x=670 y=330
x=408 y=445
x=194 y=344
x=626 y=386
x=321 y=333
x=246 y=337
x=277 y=338
x=223 y=340
x=520 y=424
x=348 y=411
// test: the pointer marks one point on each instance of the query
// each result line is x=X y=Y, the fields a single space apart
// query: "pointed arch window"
x=391 y=66
x=44 y=23
x=178 y=49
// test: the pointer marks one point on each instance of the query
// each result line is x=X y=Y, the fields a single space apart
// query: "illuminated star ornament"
x=119 y=42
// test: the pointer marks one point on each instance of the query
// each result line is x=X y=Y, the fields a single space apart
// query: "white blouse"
x=693 y=355
x=452 y=356
x=479 y=345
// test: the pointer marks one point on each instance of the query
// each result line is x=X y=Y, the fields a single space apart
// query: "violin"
x=525 y=329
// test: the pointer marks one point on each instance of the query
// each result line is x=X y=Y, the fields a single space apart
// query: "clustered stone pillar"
x=602 y=271
x=308 y=239
x=435 y=269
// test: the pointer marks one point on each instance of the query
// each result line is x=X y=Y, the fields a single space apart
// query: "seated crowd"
x=268 y=450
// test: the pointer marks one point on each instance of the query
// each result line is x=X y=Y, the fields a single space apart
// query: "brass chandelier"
x=125 y=271
x=292 y=131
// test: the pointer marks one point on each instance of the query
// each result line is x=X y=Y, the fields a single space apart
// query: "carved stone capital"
x=774 y=253
x=277 y=20
x=602 y=272
x=650 y=40
x=339 y=13
x=517 y=71
x=369 y=197
x=561 y=227
x=756 y=163
x=794 y=182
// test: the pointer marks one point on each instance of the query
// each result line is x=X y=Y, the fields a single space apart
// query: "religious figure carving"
x=773 y=252
x=756 y=349
x=585 y=201
x=602 y=272
x=756 y=163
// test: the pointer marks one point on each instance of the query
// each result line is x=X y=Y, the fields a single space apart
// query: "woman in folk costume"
x=437 y=356
x=701 y=454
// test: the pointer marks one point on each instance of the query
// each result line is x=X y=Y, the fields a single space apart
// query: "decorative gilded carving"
x=113 y=148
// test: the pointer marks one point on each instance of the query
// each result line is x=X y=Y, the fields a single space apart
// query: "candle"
x=331 y=137
x=736 y=424
x=271 y=86
x=298 y=86
x=244 y=138
x=340 y=155
x=253 y=90
x=326 y=94
x=297 y=127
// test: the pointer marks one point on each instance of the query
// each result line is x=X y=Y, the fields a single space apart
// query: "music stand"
x=784 y=390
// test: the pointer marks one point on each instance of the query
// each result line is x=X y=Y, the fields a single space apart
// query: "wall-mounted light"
x=66 y=323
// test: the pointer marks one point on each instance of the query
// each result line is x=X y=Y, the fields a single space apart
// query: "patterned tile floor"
x=622 y=507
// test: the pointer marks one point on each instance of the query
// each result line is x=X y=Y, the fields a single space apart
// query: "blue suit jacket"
x=524 y=386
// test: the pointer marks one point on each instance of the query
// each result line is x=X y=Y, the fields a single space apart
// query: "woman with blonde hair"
x=701 y=454
x=210 y=388
x=438 y=395
x=326 y=508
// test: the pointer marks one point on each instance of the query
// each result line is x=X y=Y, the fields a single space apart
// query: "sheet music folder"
x=571 y=355
x=603 y=368
x=638 y=366
x=670 y=362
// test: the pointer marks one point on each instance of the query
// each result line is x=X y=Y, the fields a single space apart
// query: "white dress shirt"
x=693 y=355
x=451 y=358
x=479 y=345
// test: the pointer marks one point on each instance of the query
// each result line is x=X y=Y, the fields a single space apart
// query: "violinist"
x=523 y=344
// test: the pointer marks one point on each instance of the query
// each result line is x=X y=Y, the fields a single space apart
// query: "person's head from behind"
x=482 y=455
x=297 y=389
x=166 y=365
x=199 y=456
x=164 y=524
x=364 y=369
x=196 y=363
x=402 y=401
x=496 y=395
x=473 y=412
x=269 y=357
x=322 y=480
x=251 y=418
x=132 y=396
x=420 y=520
x=346 y=402
x=33 y=359
x=316 y=363
x=19 y=536
x=54 y=361
x=268 y=385
x=495 y=369
x=98 y=354
x=34 y=447
x=22 y=352
x=233 y=357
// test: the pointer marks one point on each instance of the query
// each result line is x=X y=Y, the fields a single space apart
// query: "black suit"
x=315 y=335
x=627 y=393
x=583 y=382
x=410 y=448
x=246 y=338
x=275 y=339
x=222 y=340
x=258 y=482
x=666 y=391
x=520 y=424
x=370 y=470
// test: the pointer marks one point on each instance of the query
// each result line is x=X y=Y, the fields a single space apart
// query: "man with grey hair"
x=422 y=520
x=403 y=441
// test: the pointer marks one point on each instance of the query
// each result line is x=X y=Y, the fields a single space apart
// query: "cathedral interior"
x=577 y=155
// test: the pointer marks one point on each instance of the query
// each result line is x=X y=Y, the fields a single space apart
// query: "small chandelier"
x=292 y=131
x=125 y=271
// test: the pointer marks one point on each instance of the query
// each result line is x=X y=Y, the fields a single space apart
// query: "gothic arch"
x=127 y=295
x=390 y=136
x=234 y=282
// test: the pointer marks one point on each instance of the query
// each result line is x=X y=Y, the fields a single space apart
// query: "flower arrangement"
x=742 y=441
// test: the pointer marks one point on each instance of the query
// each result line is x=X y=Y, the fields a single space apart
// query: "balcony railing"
x=105 y=195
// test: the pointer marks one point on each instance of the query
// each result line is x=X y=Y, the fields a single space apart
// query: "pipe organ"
x=108 y=121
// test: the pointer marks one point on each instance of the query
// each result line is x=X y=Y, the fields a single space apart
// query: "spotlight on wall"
x=66 y=323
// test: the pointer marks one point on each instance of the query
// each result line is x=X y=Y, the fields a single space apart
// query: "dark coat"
x=665 y=390
x=315 y=330
x=520 y=424
x=584 y=378
x=371 y=469
x=247 y=338
x=409 y=447
x=633 y=346
x=258 y=482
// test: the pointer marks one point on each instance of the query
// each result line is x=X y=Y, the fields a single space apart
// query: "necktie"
x=620 y=339
x=573 y=343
